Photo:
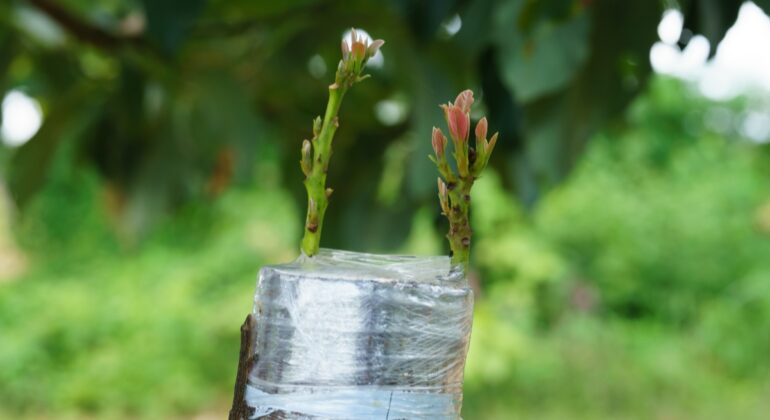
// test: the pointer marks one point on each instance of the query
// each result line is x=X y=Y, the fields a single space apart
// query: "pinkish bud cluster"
x=484 y=146
x=355 y=54
x=454 y=189
x=458 y=117
x=439 y=143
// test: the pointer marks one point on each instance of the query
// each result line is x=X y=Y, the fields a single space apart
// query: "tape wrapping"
x=347 y=335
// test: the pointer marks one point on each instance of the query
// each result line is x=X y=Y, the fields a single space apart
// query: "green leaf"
x=544 y=58
x=558 y=126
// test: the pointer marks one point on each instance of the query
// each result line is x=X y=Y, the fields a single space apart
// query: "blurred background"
x=149 y=167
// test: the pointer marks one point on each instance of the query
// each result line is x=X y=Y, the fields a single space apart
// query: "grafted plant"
x=454 y=188
x=317 y=151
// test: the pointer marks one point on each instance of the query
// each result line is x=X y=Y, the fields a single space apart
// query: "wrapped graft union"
x=347 y=335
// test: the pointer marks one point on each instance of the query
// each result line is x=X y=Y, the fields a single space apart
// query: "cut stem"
x=315 y=182
x=317 y=152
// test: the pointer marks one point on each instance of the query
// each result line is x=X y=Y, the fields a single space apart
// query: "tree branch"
x=85 y=31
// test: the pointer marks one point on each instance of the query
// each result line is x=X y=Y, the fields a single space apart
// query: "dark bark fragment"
x=239 y=410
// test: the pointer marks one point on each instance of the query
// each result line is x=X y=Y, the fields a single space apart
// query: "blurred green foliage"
x=97 y=330
x=166 y=173
x=637 y=289
x=170 y=101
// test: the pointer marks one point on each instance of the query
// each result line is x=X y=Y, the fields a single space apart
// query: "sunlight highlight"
x=22 y=117
x=741 y=64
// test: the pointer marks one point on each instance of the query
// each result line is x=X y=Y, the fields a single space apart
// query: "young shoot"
x=454 y=188
x=317 y=151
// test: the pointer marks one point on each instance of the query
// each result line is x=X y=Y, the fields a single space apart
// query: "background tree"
x=172 y=100
x=637 y=288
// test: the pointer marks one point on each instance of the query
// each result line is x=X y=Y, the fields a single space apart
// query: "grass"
x=147 y=334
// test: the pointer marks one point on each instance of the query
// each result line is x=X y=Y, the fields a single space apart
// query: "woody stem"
x=459 y=224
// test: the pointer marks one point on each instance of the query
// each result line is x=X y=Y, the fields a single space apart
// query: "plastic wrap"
x=347 y=335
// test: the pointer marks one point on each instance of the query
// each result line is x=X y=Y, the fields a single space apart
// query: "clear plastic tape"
x=350 y=336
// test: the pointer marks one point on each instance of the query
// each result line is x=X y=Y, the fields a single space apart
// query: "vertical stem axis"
x=317 y=152
x=454 y=190
x=315 y=183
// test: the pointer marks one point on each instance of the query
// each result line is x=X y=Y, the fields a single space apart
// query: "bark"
x=239 y=410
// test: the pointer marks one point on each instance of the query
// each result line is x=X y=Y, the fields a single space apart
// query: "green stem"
x=454 y=191
x=315 y=182
x=315 y=163
x=460 y=232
